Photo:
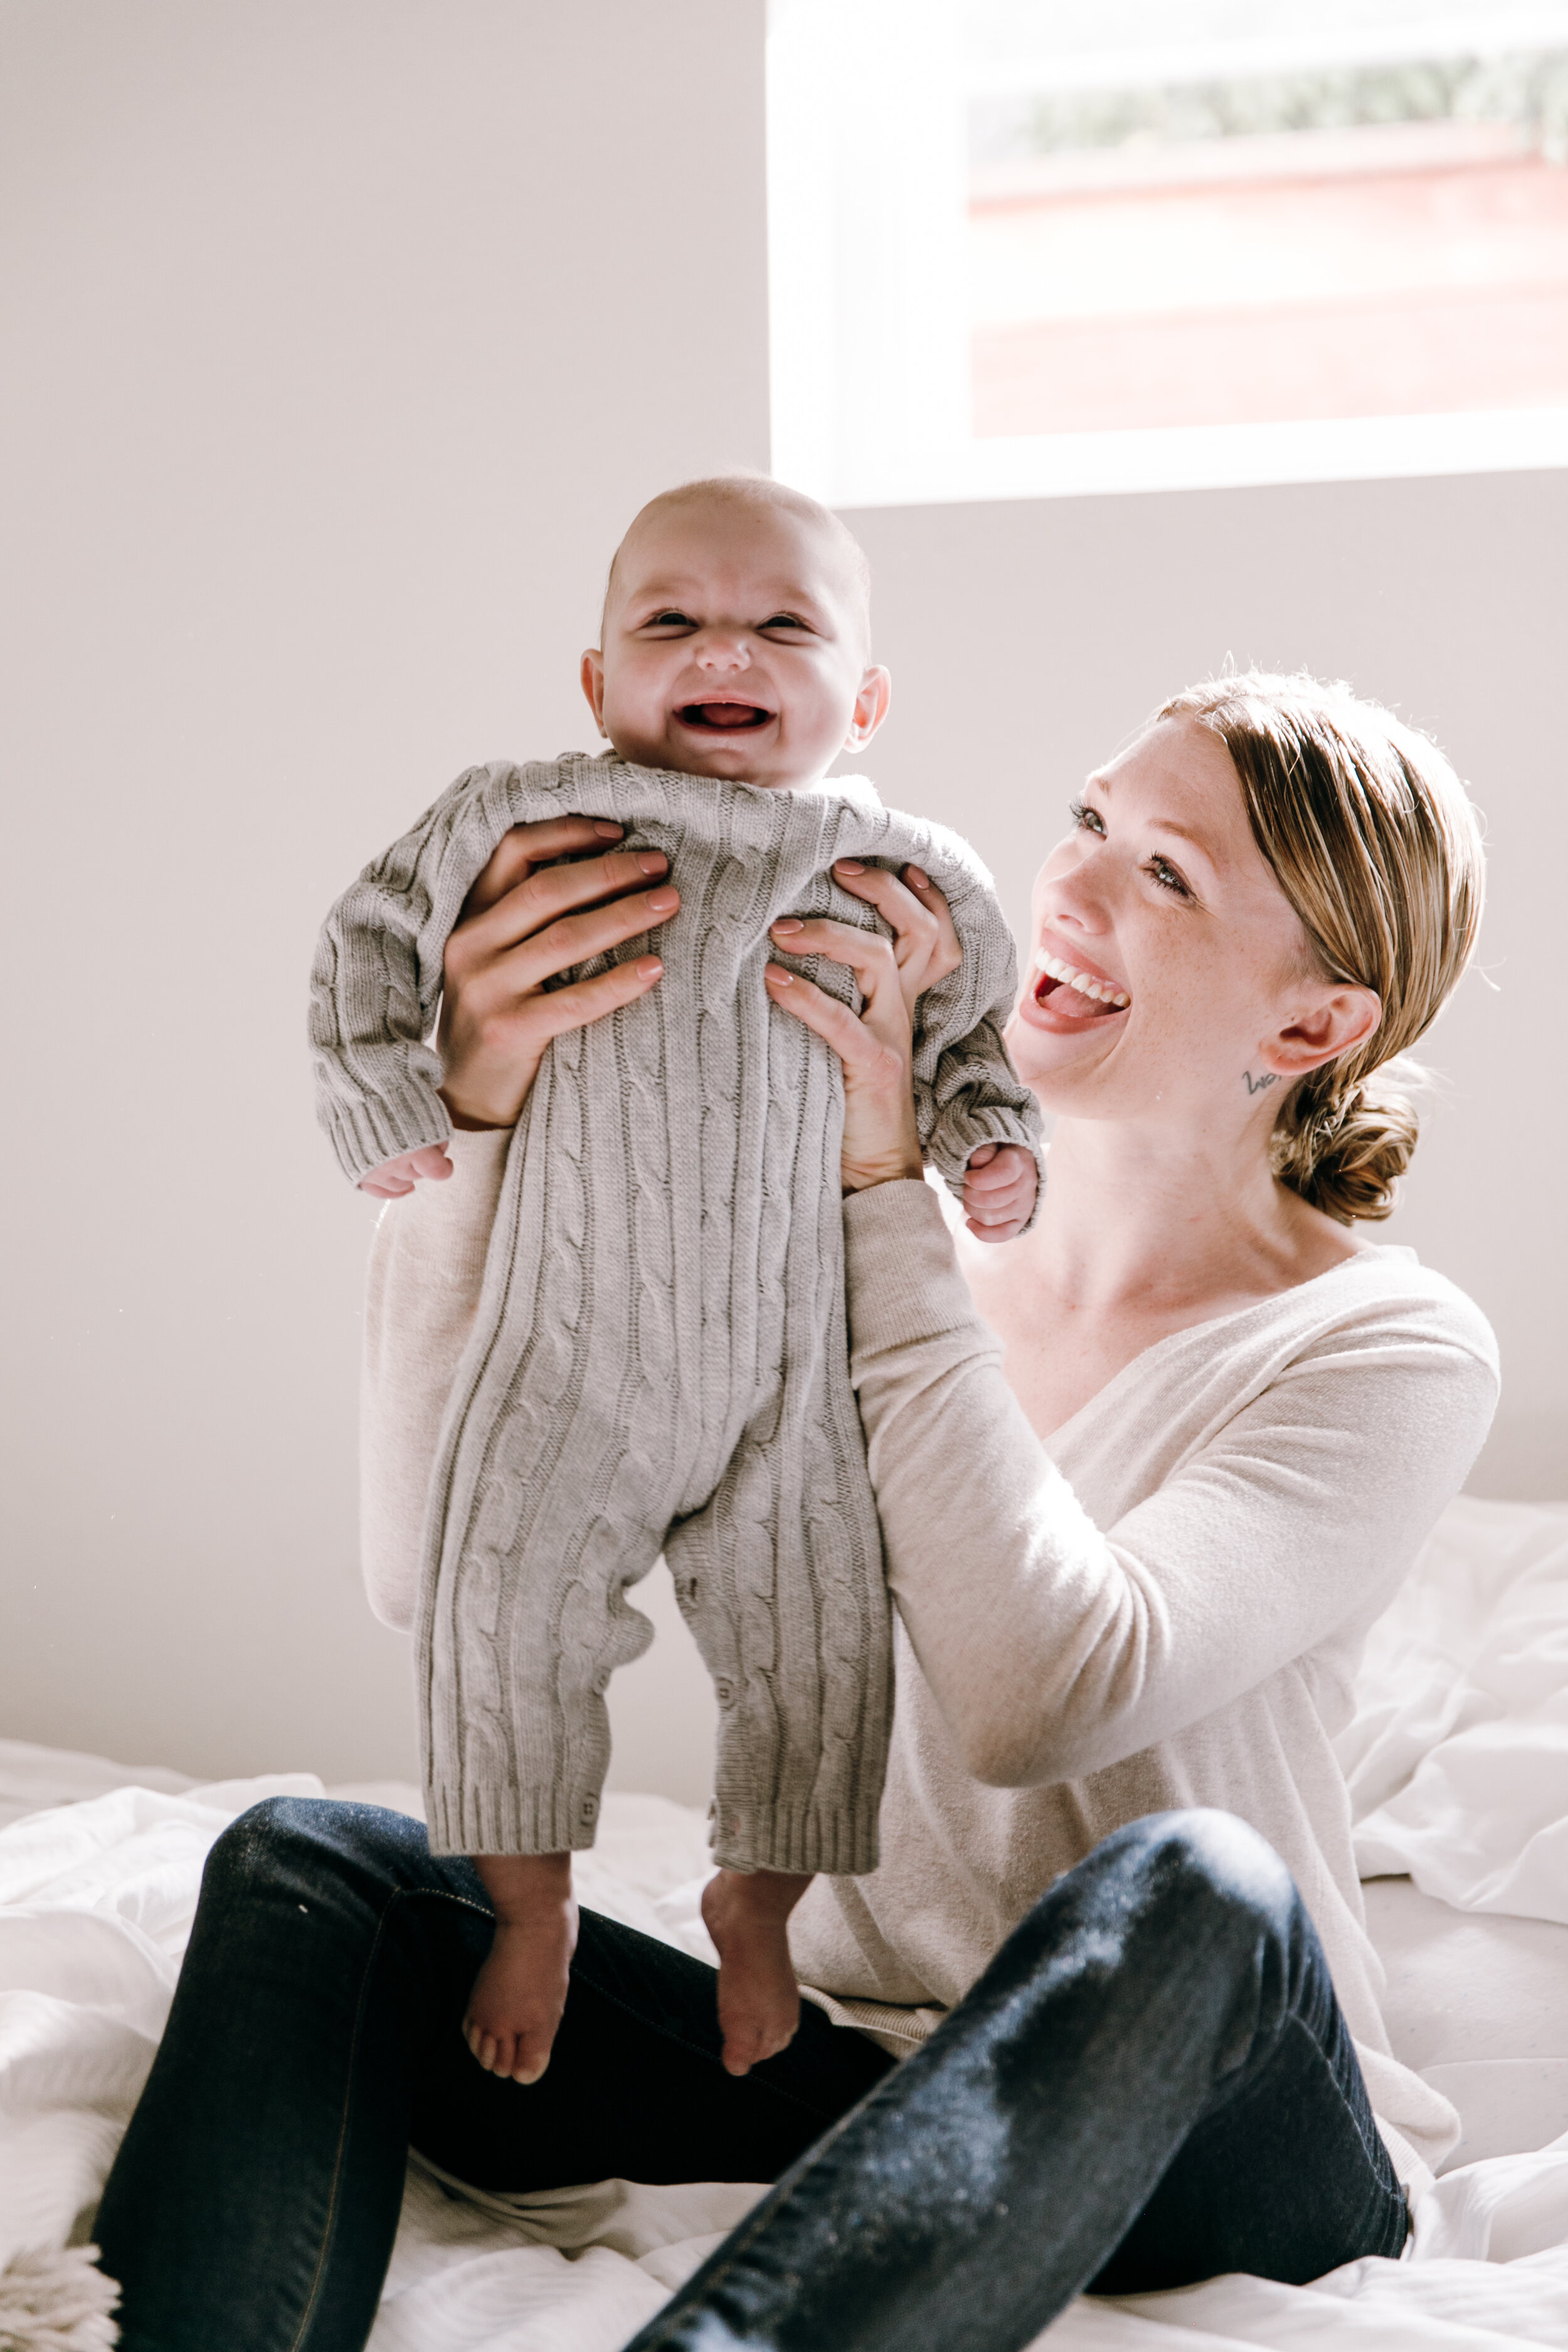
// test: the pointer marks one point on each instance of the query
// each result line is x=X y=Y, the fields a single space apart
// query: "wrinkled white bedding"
x=1458 y=1758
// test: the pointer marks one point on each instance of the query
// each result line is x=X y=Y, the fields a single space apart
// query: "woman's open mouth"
x=723 y=718
x=1074 y=996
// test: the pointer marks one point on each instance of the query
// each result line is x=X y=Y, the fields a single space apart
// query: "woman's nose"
x=1070 y=899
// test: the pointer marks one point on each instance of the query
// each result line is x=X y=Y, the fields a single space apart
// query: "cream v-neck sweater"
x=1161 y=1607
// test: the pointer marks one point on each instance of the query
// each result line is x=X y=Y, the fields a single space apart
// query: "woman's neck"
x=1173 y=1222
x=1139 y=1236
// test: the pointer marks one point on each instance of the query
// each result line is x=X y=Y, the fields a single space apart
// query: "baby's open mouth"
x=1077 y=993
x=725 y=717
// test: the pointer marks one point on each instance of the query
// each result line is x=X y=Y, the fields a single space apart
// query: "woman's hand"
x=527 y=919
x=880 y=1140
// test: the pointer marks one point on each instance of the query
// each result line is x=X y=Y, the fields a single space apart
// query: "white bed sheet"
x=1458 y=1760
x=96 y=1900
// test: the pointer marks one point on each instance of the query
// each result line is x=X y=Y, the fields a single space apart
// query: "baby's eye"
x=787 y=621
x=672 y=619
x=1085 y=819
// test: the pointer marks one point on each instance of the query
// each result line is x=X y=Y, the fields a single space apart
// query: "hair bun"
x=1344 y=1149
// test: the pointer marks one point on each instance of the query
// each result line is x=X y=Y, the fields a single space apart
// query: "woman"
x=1117 y=1920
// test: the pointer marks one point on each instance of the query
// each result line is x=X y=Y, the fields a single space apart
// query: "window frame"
x=867 y=206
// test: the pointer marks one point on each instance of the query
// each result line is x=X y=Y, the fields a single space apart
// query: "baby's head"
x=736 y=637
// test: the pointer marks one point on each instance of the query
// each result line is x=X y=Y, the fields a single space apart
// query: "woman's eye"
x=1166 y=876
x=1085 y=819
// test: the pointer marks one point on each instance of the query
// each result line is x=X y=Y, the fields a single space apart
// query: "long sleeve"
x=1055 y=1647
x=426 y=1267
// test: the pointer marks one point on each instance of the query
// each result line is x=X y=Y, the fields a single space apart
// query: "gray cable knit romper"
x=659 y=1360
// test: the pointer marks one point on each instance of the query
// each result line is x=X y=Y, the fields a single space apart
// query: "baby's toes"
x=743 y=2049
x=486 y=2046
x=530 y=2054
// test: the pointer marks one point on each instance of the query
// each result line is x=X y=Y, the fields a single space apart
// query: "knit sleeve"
x=376 y=977
x=967 y=1091
x=975 y=1096
x=1056 y=1647
x=426 y=1267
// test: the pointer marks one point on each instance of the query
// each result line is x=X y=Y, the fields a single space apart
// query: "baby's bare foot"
x=520 y=1994
x=759 y=2001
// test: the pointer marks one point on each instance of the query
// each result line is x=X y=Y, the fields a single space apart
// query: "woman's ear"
x=1329 y=1025
x=870 y=708
x=593 y=676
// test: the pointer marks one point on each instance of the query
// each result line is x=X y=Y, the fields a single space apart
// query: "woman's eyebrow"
x=1163 y=824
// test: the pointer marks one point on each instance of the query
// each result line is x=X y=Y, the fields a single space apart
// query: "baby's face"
x=734 y=646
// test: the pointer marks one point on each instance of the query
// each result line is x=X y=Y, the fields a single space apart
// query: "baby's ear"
x=871 y=706
x=591 y=674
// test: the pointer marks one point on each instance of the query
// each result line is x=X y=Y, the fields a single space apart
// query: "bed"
x=1457 y=1761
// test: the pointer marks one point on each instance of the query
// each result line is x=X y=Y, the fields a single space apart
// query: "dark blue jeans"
x=1151 y=2083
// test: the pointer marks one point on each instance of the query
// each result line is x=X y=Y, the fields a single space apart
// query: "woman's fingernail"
x=661 y=901
x=611 y=832
x=648 y=967
x=776 y=976
x=848 y=866
x=916 y=879
x=788 y=923
x=652 y=861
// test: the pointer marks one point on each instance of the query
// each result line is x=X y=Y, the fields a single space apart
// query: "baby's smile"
x=731 y=717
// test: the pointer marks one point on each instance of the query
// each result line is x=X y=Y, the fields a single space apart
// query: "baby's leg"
x=519 y=1994
x=747 y=1912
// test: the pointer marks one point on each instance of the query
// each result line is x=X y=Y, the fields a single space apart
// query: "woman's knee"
x=1214 y=1872
x=286 y=1844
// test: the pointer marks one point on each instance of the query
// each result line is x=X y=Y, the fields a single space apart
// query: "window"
x=1023 y=245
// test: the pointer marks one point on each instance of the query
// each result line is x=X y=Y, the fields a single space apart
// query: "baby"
x=660 y=1360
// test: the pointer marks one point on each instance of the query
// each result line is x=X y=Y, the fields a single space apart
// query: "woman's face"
x=1161 y=900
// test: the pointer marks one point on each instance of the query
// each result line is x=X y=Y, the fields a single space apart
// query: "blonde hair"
x=1374 y=840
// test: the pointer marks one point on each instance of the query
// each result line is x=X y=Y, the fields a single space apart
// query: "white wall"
x=344 y=335
x=344 y=338
x=1025 y=640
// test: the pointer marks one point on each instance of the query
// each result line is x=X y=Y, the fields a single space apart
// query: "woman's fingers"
x=870 y=956
x=925 y=943
x=541 y=897
x=880 y=1141
x=574 y=939
x=862 y=1051
x=525 y=846
x=588 y=1000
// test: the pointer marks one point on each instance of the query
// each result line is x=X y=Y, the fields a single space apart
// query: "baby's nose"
x=723 y=649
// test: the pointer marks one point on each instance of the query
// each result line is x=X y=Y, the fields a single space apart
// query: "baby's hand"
x=520 y=1994
x=999 y=1191
x=396 y=1177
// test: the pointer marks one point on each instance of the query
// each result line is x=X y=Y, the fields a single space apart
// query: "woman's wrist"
x=465 y=1125
x=477 y=1098
x=894 y=1167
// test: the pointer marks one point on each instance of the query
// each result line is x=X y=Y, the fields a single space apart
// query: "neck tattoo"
x=1255 y=1086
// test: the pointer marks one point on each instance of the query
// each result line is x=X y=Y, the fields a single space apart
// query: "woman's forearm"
x=1055 y=1646
x=427 y=1266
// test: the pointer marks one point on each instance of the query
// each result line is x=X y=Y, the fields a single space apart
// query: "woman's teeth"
x=1099 y=992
